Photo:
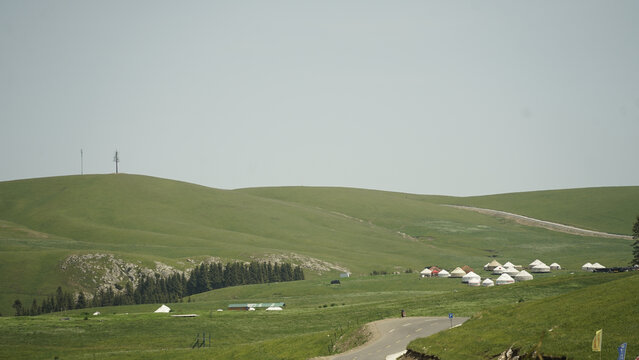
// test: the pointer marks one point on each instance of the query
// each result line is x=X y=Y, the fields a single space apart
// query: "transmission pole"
x=116 y=159
x=81 y=162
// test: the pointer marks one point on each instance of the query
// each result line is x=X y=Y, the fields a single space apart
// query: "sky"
x=427 y=97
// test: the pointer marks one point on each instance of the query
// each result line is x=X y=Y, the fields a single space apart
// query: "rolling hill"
x=142 y=220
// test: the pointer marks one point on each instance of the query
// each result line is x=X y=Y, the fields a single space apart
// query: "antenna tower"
x=116 y=159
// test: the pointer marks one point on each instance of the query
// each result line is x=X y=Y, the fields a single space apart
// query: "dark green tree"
x=17 y=305
x=635 y=246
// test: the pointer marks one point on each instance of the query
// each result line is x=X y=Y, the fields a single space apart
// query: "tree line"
x=158 y=289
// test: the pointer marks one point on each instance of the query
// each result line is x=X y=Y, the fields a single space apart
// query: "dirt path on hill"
x=524 y=220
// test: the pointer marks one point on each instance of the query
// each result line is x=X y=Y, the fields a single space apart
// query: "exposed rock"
x=306 y=262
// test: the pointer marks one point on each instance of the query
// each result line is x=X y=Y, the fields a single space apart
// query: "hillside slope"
x=142 y=220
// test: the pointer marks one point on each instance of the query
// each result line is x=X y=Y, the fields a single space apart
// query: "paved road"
x=392 y=336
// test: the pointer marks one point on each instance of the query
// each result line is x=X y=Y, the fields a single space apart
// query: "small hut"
x=498 y=270
x=491 y=265
x=426 y=273
x=474 y=281
x=471 y=275
x=457 y=273
x=523 y=276
x=487 y=282
x=555 y=266
x=504 y=279
x=443 y=274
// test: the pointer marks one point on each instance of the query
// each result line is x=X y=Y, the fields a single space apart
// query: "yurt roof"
x=511 y=271
x=598 y=266
x=467 y=269
x=475 y=280
x=505 y=277
x=523 y=275
x=163 y=309
x=494 y=263
x=487 y=281
x=458 y=271
x=536 y=262
x=554 y=264
x=444 y=272
x=471 y=274
x=508 y=264
x=425 y=271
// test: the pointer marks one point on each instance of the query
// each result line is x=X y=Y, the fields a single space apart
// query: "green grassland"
x=316 y=314
x=565 y=325
x=145 y=219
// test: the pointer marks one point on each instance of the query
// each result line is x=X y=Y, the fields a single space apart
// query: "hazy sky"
x=429 y=97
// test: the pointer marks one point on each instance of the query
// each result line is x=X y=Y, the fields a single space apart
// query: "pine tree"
x=17 y=305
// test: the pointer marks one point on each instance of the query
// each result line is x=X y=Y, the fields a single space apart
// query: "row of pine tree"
x=173 y=288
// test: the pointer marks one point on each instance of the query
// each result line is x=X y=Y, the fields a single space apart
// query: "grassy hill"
x=143 y=220
x=564 y=324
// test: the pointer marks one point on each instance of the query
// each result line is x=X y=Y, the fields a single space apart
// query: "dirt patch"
x=524 y=220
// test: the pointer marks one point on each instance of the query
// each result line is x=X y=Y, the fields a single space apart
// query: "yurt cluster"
x=507 y=273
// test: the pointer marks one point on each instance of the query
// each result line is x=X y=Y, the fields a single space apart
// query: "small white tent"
x=598 y=266
x=523 y=276
x=534 y=263
x=511 y=271
x=504 y=279
x=487 y=282
x=426 y=273
x=555 y=266
x=499 y=270
x=443 y=273
x=491 y=265
x=457 y=273
x=163 y=309
x=466 y=278
x=474 y=281
x=586 y=267
x=508 y=264
x=540 y=268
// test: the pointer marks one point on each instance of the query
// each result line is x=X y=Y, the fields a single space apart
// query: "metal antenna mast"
x=116 y=159
x=81 y=162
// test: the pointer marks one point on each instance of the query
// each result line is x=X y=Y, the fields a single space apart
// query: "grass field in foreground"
x=314 y=314
x=565 y=324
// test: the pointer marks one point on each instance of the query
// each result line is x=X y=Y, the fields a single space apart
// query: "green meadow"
x=144 y=220
x=317 y=315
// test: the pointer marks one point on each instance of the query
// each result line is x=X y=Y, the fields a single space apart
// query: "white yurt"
x=555 y=266
x=499 y=270
x=443 y=273
x=163 y=309
x=504 y=279
x=469 y=276
x=457 y=273
x=426 y=273
x=511 y=271
x=534 y=263
x=540 y=268
x=491 y=265
x=598 y=266
x=474 y=281
x=523 y=276
x=587 y=267
x=508 y=264
x=487 y=282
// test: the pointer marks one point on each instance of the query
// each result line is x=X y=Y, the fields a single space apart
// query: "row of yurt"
x=435 y=271
x=592 y=267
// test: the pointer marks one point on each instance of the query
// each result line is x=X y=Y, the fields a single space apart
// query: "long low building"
x=255 y=306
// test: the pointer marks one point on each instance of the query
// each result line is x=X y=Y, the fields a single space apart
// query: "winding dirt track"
x=524 y=220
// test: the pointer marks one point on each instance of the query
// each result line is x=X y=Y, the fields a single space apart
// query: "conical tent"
x=457 y=273
x=443 y=273
x=534 y=263
x=163 y=309
x=540 y=268
x=426 y=272
x=511 y=271
x=498 y=270
x=523 y=276
x=491 y=265
x=508 y=264
x=469 y=276
x=504 y=279
x=475 y=281
x=467 y=269
x=487 y=282
x=598 y=266
x=555 y=266
x=586 y=267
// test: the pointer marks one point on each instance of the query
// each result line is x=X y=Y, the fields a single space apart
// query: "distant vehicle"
x=335 y=282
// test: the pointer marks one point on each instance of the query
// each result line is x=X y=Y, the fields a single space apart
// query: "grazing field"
x=557 y=326
x=316 y=315
x=142 y=220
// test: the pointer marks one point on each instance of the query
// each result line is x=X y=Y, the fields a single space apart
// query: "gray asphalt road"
x=394 y=334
